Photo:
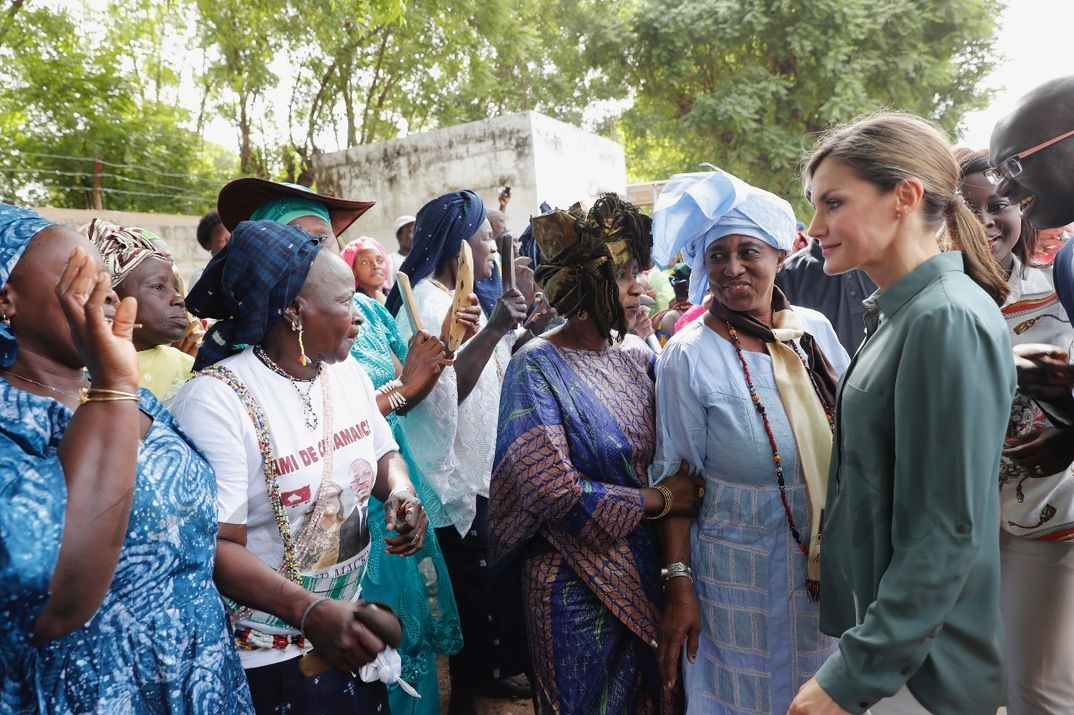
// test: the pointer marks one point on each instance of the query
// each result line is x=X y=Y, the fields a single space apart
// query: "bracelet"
x=669 y=501
x=676 y=570
x=396 y=400
x=403 y=490
x=101 y=394
x=306 y=613
x=389 y=386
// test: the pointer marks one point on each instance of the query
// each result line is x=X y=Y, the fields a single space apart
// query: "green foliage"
x=87 y=120
x=743 y=84
x=747 y=84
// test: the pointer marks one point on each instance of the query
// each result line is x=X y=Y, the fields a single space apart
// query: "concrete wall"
x=540 y=158
x=179 y=232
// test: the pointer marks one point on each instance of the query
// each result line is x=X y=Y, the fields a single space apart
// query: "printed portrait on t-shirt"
x=354 y=533
x=325 y=549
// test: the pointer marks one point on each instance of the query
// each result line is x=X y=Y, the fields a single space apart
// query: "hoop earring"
x=303 y=360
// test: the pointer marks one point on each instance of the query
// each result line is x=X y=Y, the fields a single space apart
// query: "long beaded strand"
x=776 y=458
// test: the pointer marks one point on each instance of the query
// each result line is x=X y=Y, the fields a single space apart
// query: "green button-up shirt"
x=910 y=560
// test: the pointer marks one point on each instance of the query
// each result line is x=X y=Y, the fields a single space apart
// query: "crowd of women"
x=353 y=471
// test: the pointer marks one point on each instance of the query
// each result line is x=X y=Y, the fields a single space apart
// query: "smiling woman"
x=139 y=270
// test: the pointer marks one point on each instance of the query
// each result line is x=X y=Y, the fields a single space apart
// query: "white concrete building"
x=540 y=158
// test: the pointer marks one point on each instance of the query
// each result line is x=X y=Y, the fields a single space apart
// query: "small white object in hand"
x=386 y=668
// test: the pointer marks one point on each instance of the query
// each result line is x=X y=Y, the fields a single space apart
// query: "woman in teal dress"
x=427 y=630
x=107 y=529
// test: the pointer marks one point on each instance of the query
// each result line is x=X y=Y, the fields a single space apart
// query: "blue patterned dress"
x=159 y=643
x=397 y=580
x=760 y=633
x=576 y=436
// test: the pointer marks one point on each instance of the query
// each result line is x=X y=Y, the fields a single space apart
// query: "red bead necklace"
x=776 y=458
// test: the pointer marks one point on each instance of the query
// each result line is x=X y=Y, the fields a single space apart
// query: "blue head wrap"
x=694 y=210
x=439 y=230
x=17 y=226
x=249 y=284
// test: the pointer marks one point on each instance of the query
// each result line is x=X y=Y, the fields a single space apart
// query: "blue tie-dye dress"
x=159 y=642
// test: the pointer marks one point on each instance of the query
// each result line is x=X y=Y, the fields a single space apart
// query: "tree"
x=87 y=127
x=746 y=84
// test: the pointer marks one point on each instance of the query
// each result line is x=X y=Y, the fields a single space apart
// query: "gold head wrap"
x=581 y=252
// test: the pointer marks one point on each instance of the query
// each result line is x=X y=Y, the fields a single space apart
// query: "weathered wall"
x=179 y=232
x=540 y=158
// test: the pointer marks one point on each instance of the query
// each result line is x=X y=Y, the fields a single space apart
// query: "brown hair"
x=889 y=147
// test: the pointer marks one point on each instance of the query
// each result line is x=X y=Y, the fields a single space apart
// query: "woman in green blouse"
x=910 y=568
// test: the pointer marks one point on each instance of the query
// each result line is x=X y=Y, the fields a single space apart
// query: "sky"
x=1037 y=38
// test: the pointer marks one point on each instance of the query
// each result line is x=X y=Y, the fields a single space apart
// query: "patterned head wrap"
x=439 y=230
x=696 y=209
x=248 y=285
x=17 y=226
x=580 y=254
x=367 y=243
x=122 y=248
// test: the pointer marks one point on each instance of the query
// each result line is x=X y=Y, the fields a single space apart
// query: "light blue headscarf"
x=696 y=209
x=17 y=226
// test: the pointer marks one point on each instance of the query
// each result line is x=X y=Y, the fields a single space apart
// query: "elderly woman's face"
x=484 y=250
x=630 y=289
x=35 y=312
x=742 y=272
x=327 y=312
x=161 y=308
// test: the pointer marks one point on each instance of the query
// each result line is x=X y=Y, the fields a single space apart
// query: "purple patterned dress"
x=576 y=436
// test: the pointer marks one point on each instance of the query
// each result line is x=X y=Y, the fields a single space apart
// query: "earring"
x=583 y=315
x=303 y=360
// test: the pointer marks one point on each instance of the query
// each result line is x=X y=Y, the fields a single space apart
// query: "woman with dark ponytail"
x=910 y=573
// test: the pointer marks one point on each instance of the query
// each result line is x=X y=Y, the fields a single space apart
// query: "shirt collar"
x=900 y=293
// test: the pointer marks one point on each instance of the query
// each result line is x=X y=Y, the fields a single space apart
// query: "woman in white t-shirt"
x=286 y=419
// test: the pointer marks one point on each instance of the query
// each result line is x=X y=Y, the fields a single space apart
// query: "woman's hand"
x=680 y=623
x=190 y=341
x=510 y=310
x=404 y=514
x=812 y=700
x=541 y=316
x=524 y=278
x=468 y=316
x=1043 y=372
x=1043 y=452
x=101 y=335
x=688 y=489
x=426 y=357
x=340 y=636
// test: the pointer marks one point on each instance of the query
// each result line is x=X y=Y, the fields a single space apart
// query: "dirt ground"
x=485 y=706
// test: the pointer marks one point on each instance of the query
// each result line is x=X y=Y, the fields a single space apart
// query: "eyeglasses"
x=1010 y=168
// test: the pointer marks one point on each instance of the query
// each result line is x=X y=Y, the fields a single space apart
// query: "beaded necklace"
x=304 y=397
x=777 y=460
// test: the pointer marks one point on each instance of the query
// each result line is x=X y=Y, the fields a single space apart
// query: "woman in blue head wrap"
x=106 y=533
x=452 y=434
x=292 y=428
x=745 y=396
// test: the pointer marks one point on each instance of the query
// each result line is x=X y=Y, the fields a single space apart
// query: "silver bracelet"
x=306 y=613
x=676 y=570
x=400 y=490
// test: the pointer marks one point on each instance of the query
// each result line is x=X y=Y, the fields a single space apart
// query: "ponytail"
x=966 y=234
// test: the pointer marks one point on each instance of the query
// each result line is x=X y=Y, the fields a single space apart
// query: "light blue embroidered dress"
x=760 y=638
x=159 y=642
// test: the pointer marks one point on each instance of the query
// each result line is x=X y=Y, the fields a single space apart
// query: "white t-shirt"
x=212 y=414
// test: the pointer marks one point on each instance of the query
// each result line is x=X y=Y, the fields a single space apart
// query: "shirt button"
x=963 y=528
x=853 y=293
